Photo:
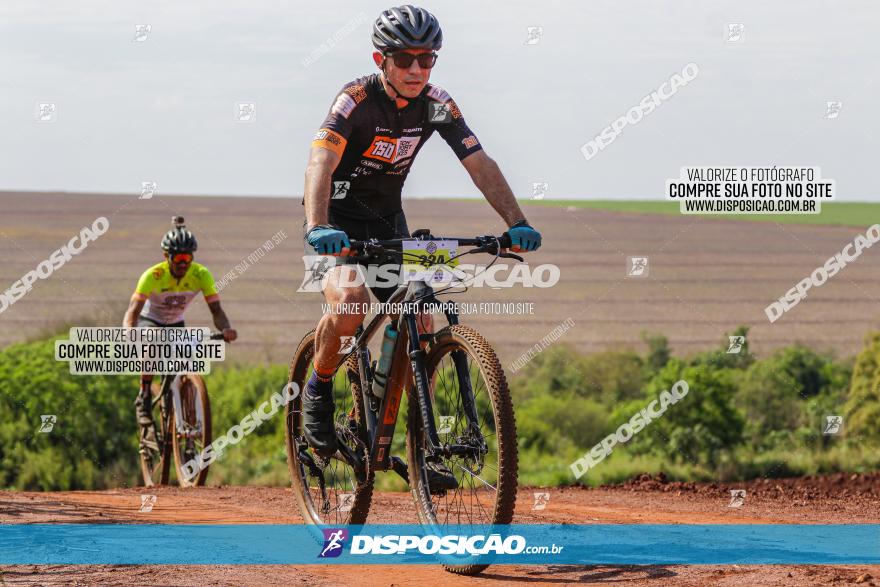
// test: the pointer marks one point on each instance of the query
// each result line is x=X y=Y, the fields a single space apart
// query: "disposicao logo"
x=334 y=540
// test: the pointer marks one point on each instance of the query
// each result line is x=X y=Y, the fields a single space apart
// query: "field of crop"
x=834 y=213
x=705 y=275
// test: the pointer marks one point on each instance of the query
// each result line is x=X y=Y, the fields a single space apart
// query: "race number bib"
x=425 y=260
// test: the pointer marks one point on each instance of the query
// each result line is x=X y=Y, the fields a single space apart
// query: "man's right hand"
x=327 y=240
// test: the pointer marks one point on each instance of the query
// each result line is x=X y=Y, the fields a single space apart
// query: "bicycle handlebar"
x=485 y=243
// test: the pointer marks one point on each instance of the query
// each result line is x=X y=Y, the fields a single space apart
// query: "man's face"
x=409 y=81
x=179 y=263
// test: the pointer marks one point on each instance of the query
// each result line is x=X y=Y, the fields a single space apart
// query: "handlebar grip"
x=216 y=336
x=504 y=241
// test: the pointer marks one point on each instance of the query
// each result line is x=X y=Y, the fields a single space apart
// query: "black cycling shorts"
x=381 y=228
x=144 y=322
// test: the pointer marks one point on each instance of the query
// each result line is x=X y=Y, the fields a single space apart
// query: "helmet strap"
x=388 y=81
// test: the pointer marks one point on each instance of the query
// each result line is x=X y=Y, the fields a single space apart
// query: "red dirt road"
x=836 y=499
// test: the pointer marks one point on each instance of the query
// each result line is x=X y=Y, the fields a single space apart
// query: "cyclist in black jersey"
x=359 y=160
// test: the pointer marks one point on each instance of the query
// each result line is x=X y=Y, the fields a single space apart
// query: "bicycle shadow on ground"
x=567 y=574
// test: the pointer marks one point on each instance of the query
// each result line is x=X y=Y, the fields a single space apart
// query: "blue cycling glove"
x=523 y=237
x=327 y=240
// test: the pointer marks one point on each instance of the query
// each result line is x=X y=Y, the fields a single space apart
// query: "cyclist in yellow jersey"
x=162 y=295
x=165 y=297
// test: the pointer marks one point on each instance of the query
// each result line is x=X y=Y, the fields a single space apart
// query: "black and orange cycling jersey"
x=377 y=143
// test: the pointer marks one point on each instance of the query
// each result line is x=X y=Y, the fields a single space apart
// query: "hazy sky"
x=164 y=109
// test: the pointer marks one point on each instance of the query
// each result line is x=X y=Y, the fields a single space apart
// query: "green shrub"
x=95 y=425
x=550 y=422
x=863 y=406
x=742 y=417
x=703 y=424
x=771 y=402
x=607 y=377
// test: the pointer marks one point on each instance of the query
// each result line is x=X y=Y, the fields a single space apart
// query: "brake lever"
x=492 y=248
x=511 y=256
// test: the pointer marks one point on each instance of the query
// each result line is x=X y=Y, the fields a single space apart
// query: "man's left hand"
x=523 y=238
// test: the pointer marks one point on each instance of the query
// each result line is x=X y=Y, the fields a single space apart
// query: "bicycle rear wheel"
x=195 y=435
x=156 y=465
x=328 y=491
x=459 y=363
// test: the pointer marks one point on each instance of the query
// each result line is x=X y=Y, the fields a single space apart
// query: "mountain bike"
x=182 y=416
x=459 y=414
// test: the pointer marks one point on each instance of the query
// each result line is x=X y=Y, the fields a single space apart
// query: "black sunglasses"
x=405 y=60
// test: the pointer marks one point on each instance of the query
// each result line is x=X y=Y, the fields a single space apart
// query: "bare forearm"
x=317 y=196
x=491 y=182
x=131 y=315
x=319 y=174
x=220 y=319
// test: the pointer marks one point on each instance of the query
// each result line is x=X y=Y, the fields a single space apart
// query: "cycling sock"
x=322 y=376
x=319 y=385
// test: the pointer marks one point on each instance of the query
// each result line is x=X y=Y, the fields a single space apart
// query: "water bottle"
x=383 y=367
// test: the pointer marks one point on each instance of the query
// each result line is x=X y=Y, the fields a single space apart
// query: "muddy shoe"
x=440 y=478
x=318 y=408
x=148 y=441
x=143 y=409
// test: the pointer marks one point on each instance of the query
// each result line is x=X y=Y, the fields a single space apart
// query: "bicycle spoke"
x=486 y=483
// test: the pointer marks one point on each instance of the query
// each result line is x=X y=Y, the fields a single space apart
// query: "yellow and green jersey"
x=167 y=297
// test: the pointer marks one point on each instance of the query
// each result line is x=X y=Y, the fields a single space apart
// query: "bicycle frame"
x=183 y=428
x=171 y=391
x=380 y=415
x=380 y=430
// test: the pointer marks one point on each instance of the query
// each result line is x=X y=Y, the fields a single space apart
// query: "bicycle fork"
x=381 y=429
x=426 y=408
x=182 y=427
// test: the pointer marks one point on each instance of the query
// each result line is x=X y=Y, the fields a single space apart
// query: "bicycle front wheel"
x=192 y=434
x=156 y=465
x=473 y=411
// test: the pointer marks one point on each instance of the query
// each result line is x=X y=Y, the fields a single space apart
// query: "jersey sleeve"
x=145 y=285
x=336 y=128
x=209 y=286
x=453 y=129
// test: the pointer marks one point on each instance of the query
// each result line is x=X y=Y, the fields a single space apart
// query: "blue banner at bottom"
x=642 y=544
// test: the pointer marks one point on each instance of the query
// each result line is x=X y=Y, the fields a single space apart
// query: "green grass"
x=835 y=213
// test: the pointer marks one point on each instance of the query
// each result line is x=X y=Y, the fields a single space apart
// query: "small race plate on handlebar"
x=423 y=258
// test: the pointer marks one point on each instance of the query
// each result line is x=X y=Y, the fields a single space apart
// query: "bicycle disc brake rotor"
x=473 y=438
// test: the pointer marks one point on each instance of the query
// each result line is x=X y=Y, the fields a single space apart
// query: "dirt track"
x=836 y=499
